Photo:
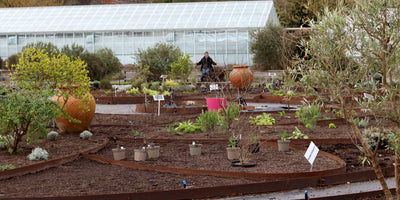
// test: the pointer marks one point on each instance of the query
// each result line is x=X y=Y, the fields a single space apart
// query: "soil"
x=155 y=126
x=214 y=156
x=88 y=177
x=65 y=144
x=351 y=154
x=85 y=177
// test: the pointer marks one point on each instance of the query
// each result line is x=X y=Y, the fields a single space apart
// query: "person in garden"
x=206 y=66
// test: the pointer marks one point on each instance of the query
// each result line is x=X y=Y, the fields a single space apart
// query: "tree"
x=347 y=46
x=182 y=68
x=266 y=45
x=295 y=13
x=25 y=112
x=99 y=64
x=37 y=70
x=49 y=47
x=159 y=58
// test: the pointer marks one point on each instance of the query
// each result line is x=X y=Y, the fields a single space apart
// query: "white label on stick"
x=271 y=74
x=158 y=97
x=311 y=153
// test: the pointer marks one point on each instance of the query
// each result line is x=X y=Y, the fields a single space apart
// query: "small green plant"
x=309 y=115
x=193 y=80
x=86 y=135
x=187 y=127
x=135 y=132
x=38 y=154
x=327 y=118
x=327 y=111
x=134 y=90
x=52 y=135
x=7 y=167
x=282 y=113
x=283 y=136
x=233 y=142
x=264 y=119
x=297 y=134
x=279 y=93
x=332 y=125
x=209 y=121
x=150 y=92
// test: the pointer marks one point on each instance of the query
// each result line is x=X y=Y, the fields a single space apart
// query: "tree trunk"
x=397 y=172
x=375 y=163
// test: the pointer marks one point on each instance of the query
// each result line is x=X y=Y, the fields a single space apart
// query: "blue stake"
x=115 y=139
x=184 y=184
x=130 y=122
x=306 y=195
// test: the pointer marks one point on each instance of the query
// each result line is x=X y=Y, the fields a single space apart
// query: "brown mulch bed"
x=64 y=145
x=85 y=177
x=214 y=156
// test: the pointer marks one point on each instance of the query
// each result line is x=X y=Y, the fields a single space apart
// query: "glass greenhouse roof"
x=166 y=16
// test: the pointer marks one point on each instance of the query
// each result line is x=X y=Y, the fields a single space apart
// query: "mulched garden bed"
x=214 y=156
x=66 y=144
x=85 y=177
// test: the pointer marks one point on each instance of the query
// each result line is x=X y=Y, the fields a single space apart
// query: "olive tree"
x=26 y=108
x=346 y=48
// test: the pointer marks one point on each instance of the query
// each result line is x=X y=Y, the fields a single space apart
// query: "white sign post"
x=158 y=98
x=311 y=154
x=163 y=77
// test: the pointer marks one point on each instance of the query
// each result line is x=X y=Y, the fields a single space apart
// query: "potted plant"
x=283 y=143
x=140 y=154
x=119 y=153
x=195 y=149
x=153 y=151
x=233 y=150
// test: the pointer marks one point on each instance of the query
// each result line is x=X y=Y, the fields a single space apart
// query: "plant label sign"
x=271 y=74
x=311 y=153
x=158 y=97
x=213 y=87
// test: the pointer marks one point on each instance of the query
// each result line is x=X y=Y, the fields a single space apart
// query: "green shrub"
x=186 y=127
x=49 y=47
x=182 y=68
x=38 y=154
x=264 y=119
x=332 y=125
x=105 y=84
x=209 y=121
x=24 y=112
x=12 y=60
x=52 y=135
x=75 y=51
x=86 y=135
x=155 y=85
x=297 y=134
x=159 y=59
x=111 y=62
x=144 y=85
x=310 y=114
x=184 y=88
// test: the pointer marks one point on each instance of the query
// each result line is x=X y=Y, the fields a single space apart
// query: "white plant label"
x=271 y=74
x=311 y=153
x=213 y=87
x=158 y=97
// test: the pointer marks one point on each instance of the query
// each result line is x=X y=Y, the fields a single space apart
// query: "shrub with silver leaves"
x=371 y=136
x=86 y=135
x=52 y=135
x=5 y=141
x=38 y=154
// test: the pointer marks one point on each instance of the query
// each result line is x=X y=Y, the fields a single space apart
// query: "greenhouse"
x=221 y=28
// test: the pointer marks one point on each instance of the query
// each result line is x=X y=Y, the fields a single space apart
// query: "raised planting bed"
x=270 y=163
x=64 y=145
